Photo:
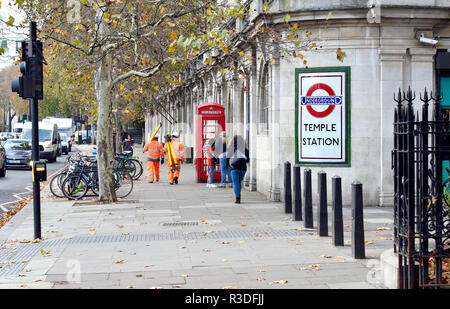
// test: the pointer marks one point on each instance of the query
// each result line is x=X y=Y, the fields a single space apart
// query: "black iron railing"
x=421 y=213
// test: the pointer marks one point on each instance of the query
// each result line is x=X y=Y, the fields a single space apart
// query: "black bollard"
x=309 y=223
x=358 y=246
x=322 y=213
x=337 y=223
x=297 y=194
x=287 y=188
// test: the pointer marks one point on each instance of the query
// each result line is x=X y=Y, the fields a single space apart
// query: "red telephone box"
x=210 y=123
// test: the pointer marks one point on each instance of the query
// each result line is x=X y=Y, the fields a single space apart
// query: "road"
x=18 y=183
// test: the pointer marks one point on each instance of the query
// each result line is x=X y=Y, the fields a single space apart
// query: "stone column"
x=253 y=146
x=392 y=66
x=274 y=131
x=422 y=70
x=237 y=125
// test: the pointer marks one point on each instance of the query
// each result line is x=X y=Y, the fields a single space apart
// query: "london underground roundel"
x=330 y=108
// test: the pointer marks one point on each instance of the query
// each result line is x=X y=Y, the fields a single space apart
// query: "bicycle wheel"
x=56 y=183
x=75 y=187
x=138 y=169
x=94 y=184
x=130 y=167
x=123 y=184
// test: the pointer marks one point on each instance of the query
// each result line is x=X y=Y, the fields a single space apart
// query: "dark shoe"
x=176 y=179
x=171 y=183
x=150 y=181
x=238 y=200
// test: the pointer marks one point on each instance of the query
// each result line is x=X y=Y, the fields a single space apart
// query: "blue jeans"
x=237 y=176
x=225 y=170
x=211 y=171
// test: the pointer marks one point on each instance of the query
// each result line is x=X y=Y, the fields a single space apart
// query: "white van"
x=48 y=138
x=18 y=127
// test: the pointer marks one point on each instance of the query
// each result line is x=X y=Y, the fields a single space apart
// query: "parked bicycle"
x=131 y=164
x=81 y=176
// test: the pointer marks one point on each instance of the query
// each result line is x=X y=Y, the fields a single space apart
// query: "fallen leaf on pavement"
x=383 y=228
x=326 y=256
x=131 y=286
x=45 y=253
x=230 y=288
x=260 y=279
x=184 y=276
x=176 y=286
x=22 y=285
x=157 y=288
x=261 y=270
x=119 y=226
x=119 y=262
x=207 y=250
x=148 y=265
x=279 y=282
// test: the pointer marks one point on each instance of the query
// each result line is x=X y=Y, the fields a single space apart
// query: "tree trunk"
x=5 y=122
x=104 y=133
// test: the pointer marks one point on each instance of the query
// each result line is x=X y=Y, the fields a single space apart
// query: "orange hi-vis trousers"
x=172 y=173
x=153 y=170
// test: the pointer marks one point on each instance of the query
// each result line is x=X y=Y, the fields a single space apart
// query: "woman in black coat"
x=238 y=156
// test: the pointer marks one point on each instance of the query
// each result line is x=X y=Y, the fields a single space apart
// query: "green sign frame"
x=347 y=87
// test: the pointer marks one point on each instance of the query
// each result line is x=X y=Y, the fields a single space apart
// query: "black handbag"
x=238 y=163
x=214 y=160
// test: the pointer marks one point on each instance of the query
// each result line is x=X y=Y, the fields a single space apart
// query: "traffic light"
x=30 y=84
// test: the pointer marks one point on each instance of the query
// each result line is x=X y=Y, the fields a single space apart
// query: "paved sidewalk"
x=184 y=236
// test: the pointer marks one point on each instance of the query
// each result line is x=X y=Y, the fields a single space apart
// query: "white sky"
x=11 y=34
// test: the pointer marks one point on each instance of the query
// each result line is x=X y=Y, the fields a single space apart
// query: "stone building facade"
x=381 y=41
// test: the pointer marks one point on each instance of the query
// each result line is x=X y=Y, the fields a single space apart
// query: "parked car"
x=59 y=152
x=5 y=135
x=65 y=143
x=18 y=153
x=2 y=161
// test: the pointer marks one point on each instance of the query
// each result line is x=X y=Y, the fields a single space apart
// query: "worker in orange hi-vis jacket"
x=175 y=150
x=155 y=154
